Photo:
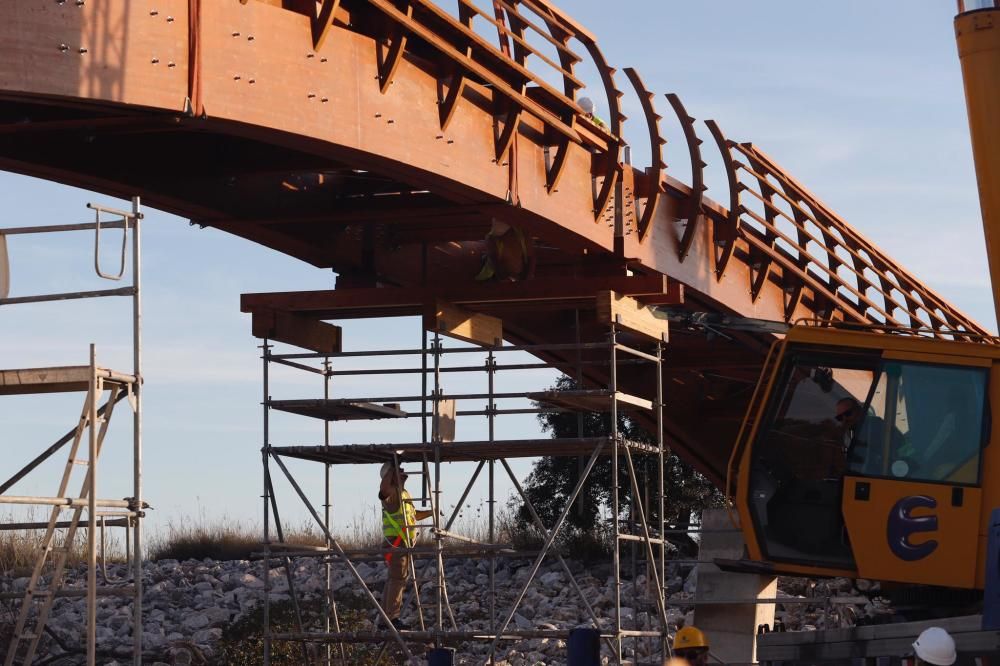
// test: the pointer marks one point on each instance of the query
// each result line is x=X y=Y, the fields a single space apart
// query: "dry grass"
x=20 y=548
x=230 y=539
x=220 y=539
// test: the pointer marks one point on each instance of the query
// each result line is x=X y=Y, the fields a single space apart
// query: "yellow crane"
x=873 y=453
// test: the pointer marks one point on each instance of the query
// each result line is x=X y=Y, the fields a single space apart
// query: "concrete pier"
x=731 y=628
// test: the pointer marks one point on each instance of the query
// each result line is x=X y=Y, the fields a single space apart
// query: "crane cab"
x=869 y=455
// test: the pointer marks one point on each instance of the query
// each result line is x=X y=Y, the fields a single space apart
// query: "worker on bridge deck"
x=399 y=519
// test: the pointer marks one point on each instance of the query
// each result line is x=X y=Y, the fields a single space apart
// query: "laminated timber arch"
x=381 y=138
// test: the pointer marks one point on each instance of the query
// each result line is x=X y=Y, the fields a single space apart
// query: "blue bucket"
x=584 y=647
x=441 y=657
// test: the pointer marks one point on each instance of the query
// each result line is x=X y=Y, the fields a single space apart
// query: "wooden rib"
x=449 y=103
x=724 y=240
x=477 y=40
x=760 y=262
x=544 y=9
x=905 y=281
x=828 y=241
x=555 y=171
x=323 y=21
x=562 y=48
x=521 y=42
x=505 y=136
x=472 y=66
x=691 y=209
x=608 y=186
x=836 y=281
x=389 y=62
x=656 y=143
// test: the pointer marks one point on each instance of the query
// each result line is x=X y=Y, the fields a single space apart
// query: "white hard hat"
x=388 y=468
x=935 y=646
x=586 y=104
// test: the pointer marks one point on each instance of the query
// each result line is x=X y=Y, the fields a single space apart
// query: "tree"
x=552 y=479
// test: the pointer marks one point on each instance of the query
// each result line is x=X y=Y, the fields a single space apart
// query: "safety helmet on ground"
x=687 y=638
x=389 y=468
x=935 y=646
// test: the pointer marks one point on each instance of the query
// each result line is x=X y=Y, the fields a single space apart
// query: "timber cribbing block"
x=627 y=312
x=456 y=322
x=556 y=293
x=293 y=329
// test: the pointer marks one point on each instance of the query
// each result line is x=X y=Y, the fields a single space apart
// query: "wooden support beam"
x=60 y=379
x=628 y=313
x=459 y=323
x=293 y=329
x=409 y=301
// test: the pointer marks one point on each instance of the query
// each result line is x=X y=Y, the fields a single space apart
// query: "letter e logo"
x=902 y=525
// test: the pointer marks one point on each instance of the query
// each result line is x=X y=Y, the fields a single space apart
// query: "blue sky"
x=861 y=101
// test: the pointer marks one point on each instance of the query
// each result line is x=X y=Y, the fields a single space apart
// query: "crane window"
x=923 y=423
x=801 y=454
x=831 y=415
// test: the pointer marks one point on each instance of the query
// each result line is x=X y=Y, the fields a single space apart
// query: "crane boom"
x=977 y=31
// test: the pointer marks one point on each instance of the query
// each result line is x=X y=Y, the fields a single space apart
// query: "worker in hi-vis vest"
x=399 y=519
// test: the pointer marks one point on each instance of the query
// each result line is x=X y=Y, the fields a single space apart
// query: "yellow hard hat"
x=690 y=637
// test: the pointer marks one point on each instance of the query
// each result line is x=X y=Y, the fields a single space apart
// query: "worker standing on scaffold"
x=399 y=519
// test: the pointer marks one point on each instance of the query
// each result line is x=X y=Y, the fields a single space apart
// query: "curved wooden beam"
x=724 y=239
x=656 y=143
x=691 y=208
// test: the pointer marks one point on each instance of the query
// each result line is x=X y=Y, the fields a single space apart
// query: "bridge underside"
x=384 y=146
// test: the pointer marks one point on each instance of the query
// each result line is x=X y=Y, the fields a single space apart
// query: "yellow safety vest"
x=401 y=522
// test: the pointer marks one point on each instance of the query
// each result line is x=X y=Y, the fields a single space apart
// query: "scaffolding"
x=85 y=442
x=638 y=527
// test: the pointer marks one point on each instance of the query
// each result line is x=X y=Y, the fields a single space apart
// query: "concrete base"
x=731 y=628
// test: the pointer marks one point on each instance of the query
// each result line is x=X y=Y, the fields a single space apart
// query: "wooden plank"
x=456 y=322
x=596 y=400
x=339 y=409
x=444 y=421
x=462 y=451
x=45 y=380
x=627 y=312
x=409 y=301
x=293 y=329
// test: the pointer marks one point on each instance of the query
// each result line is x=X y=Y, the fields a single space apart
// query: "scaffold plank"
x=338 y=409
x=596 y=400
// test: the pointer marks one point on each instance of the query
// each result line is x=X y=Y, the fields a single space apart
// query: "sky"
x=861 y=101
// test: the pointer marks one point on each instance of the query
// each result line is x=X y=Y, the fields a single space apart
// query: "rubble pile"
x=188 y=605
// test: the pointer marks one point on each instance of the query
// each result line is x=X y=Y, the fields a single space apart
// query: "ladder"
x=53 y=553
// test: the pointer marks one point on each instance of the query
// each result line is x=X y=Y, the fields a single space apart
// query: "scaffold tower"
x=103 y=389
x=608 y=334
